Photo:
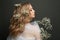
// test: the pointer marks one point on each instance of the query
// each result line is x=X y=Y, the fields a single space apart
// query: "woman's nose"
x=33 y=10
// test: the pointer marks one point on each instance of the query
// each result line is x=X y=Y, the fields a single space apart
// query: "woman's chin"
x=33 y=17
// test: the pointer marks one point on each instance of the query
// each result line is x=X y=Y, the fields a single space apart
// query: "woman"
x=20 y=27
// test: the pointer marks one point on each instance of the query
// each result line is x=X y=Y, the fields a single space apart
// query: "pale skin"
x=35 y=33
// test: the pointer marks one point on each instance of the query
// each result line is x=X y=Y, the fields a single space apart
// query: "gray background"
x=43 y=8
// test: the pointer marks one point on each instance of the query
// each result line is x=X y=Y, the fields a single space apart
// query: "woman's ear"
x=25 y=14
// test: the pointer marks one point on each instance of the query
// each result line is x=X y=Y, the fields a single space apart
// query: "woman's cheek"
x=32 y=15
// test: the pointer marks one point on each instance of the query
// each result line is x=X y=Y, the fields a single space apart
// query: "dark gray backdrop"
x=43 y=8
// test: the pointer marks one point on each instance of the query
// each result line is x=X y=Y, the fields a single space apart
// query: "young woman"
x=21 y=28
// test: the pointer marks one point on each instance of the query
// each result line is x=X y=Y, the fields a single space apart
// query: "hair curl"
x=16 y=22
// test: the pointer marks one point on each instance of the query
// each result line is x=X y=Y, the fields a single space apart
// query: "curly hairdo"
x=16 y=22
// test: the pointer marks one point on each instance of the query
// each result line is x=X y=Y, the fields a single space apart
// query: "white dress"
x=31 y=27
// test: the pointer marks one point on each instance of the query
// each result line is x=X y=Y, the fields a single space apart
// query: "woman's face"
x=28 y=9
x=31 y=12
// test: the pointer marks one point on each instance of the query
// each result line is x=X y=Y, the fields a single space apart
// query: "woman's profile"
x=20 y=26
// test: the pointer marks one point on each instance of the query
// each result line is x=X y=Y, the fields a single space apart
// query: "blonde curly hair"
x=17 y=21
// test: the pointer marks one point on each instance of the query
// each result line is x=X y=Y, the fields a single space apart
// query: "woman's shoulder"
x=36 y=26
x=10 y=37
x=34 y=23
x=13 y=38
x=33 y=26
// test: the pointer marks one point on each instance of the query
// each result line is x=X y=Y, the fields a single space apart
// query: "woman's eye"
x=30 y=10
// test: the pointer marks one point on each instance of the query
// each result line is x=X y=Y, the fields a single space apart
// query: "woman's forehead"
x=27 y=6
x=30 y=6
